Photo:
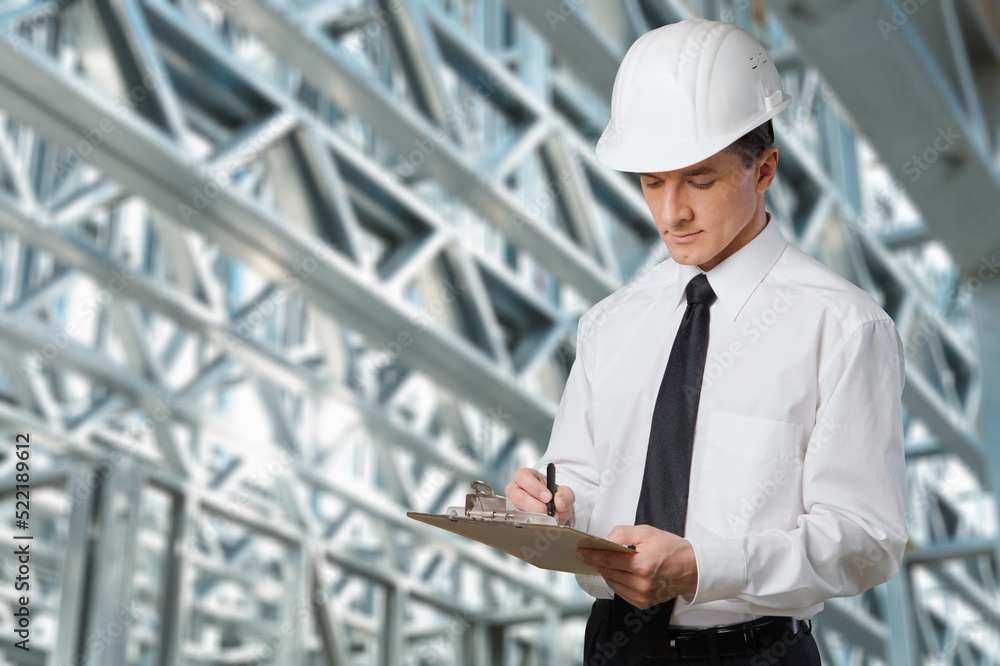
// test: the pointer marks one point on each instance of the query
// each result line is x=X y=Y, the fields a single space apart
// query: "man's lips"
x=684 y=238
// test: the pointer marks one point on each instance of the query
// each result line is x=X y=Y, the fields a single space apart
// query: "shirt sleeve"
x=852 y=534
x=571 y=443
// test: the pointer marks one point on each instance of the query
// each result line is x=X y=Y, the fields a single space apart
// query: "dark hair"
x=749 y=146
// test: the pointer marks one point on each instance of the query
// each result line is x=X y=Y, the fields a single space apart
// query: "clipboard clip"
x=484 y=504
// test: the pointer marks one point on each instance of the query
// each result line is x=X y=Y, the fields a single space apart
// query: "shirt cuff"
x=722 y=569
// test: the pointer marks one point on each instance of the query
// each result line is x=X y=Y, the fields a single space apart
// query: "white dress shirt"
x=798 y=486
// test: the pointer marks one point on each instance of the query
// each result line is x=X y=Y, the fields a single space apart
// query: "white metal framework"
x=274 y=272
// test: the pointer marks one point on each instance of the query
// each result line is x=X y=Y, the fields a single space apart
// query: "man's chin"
x=685 y=256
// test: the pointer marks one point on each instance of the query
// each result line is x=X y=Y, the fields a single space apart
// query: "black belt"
x=737 y=639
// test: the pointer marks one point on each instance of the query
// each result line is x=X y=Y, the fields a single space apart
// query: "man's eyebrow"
x=700 y=171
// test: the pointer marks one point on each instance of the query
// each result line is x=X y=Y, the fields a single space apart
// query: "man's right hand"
x=528 y=492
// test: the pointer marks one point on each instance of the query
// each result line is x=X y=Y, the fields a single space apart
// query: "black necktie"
x=664 y=495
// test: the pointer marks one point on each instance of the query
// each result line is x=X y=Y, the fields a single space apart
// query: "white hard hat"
x=684 y=92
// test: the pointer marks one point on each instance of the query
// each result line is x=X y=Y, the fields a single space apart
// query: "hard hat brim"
x=641 y=153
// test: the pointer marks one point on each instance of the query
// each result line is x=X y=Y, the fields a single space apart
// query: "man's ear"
x=767 y=168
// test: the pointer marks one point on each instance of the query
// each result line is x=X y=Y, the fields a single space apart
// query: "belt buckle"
x=670 y=650
x=754 y=640
x=676 y=649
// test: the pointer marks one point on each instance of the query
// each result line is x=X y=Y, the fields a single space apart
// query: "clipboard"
x=533 y=537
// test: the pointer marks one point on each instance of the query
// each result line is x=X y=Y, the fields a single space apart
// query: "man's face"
x=709 y=210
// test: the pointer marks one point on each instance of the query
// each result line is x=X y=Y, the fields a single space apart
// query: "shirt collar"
x=738 y=275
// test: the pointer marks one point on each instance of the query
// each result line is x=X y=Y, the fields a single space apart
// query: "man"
x=734 y=413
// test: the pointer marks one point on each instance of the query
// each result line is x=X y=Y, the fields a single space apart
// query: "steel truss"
x=274 y=273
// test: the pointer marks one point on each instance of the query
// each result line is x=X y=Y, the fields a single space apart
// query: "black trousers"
x=600 y=648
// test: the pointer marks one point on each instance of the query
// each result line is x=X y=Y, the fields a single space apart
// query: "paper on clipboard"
x=534 y=538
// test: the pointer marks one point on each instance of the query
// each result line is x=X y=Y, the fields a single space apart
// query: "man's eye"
x=653 y=184
x=703 y=186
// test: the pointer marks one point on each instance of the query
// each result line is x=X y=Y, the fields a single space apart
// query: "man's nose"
x=674 y=207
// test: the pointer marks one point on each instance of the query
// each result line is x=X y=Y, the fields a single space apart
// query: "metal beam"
x=407 y=132
x=899 y=96
x=567 y=30
x=31 y=86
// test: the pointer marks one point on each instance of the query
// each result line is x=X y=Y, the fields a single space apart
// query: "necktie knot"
x=698 y=290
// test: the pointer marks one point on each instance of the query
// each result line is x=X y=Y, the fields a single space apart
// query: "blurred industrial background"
x=274 y=272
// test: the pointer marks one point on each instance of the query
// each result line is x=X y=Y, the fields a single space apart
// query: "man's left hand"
x=662 y=568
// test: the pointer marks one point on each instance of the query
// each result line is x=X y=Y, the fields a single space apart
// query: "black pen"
x=550 y=481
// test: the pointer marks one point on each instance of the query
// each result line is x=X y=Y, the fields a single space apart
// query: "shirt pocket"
x=751 y=474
